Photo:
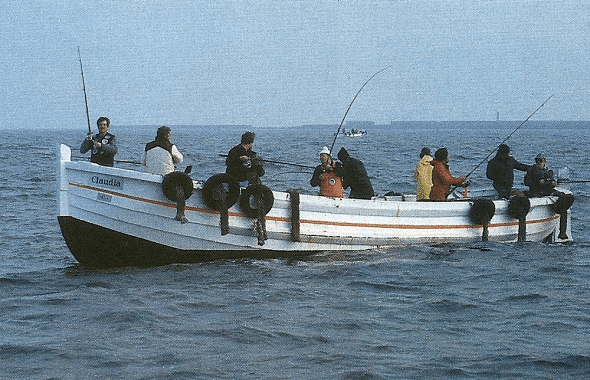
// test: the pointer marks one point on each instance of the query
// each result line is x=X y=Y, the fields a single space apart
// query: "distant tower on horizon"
x=497 y=115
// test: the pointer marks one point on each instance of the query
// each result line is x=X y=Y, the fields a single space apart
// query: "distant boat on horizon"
x=354 y=132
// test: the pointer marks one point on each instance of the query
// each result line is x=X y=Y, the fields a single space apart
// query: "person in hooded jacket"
x=501 y=171
x=160 y=155
x=441 y=176
x=423 y=175
x=103 y=144
x=354 y=175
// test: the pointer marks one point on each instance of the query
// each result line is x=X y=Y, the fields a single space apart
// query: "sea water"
x=454 y=311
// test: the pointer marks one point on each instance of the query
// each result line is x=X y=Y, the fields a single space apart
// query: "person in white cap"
x=327 y=175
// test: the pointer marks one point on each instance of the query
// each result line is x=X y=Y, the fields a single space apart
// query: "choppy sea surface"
x=475 y=311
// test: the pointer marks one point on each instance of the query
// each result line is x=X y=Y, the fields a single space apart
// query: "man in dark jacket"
x=242 y=162
x=501 y=171
x=354 y=175
x=103 y=144
x=539 y=178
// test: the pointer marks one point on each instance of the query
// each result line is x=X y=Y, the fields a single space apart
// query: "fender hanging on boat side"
x=563 y=203
x=260 y=190
x=171 y=180
x=211 y=187
x=482 y=211
x=519 y=207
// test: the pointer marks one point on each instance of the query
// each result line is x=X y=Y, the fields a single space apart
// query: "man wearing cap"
x=327 y=176
x=103 y=144
x=423 y=175
x=242 y=163
x=539 y=179
x=354 y=175
x=501 y=171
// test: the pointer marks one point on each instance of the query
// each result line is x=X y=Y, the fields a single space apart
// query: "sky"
x=271 y=63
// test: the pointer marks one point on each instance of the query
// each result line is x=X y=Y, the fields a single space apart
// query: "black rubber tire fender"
x=519 y=207
x=261 y=190
x=171 y=180
x=209 y=192
x=482 y=211
x=563 y=203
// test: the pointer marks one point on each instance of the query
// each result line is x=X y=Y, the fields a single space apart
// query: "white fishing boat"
x=113 y=217
x=355 y=133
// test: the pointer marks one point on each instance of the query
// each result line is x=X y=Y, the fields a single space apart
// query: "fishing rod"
x=350 y=105
x=510 y=135
x=573 y=181
x=84 y=87
x=278 y=162
x=118 y=161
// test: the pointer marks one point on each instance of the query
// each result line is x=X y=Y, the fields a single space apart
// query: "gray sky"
x=286 y=63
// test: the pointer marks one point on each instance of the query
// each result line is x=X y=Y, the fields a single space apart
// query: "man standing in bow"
x=103 y=144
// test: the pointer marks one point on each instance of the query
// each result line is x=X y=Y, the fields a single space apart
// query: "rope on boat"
x=295 y=221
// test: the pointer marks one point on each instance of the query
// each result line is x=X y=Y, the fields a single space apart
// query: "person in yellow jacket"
x=423 y=175
x=328 y=176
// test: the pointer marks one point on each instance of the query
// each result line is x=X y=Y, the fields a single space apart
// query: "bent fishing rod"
x=278 y=162
x=350 y=105
x=506 y=139
x=84 y=87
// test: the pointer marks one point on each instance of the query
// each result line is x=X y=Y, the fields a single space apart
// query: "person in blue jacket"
x=501 y=171
x=354 y=175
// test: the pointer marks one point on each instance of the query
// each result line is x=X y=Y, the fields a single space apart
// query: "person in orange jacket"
x=327 y=176
x=441 y=176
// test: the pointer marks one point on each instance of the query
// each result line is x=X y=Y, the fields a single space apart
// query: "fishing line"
x=510 y=135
